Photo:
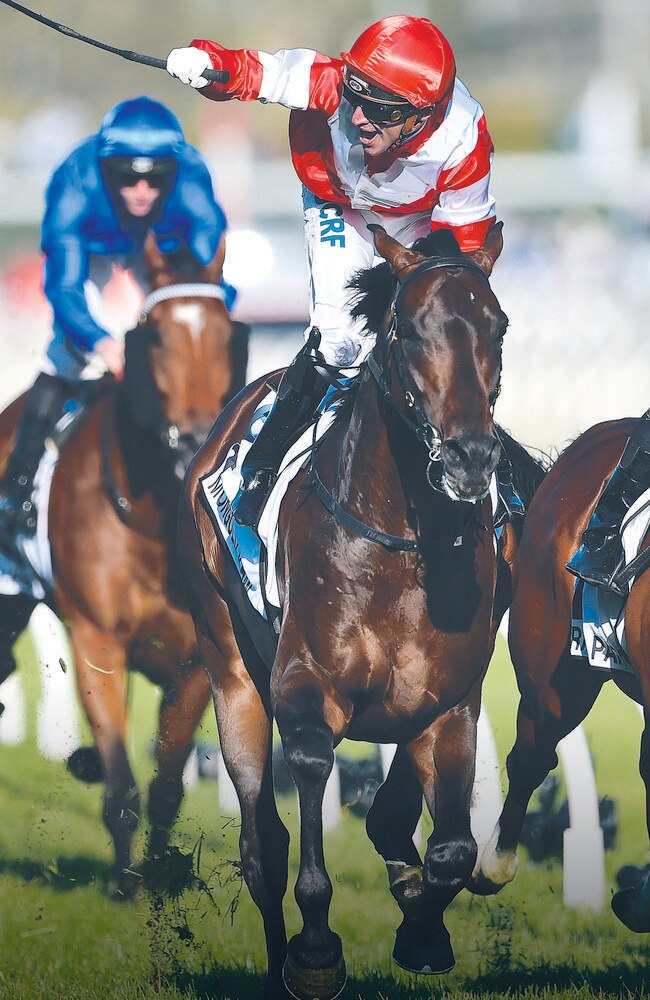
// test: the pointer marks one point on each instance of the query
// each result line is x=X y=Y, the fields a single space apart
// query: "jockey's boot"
x=43 y=407
x=300 y=391
x=600 y=558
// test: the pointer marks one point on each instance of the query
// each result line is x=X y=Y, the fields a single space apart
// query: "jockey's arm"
x=465 y=204
x=67 y=264
x=298 y=79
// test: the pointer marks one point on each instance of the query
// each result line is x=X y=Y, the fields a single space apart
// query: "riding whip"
x=218 y=75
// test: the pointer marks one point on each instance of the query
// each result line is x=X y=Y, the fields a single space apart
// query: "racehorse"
x=388 y=578
x=558 y=689
x=112 y=528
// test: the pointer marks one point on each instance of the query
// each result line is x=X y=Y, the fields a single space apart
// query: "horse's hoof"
x=481 y=885
x=433 y=957
x=303 y=983
x=632 y=910
x=85 y=765
x=493 y=868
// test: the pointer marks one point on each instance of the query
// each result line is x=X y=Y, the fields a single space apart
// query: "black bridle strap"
x=433 y=264
x=218 y=75
x=392 y=542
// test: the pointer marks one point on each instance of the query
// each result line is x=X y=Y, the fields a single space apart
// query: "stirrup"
x=601 y=568
x=248 y=504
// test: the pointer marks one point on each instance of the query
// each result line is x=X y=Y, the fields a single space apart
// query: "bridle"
x=409 y=411
x=412 y=415
x=177 y=447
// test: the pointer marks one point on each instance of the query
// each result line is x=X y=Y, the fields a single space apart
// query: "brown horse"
x=388 y=578
x=558 y=690
x=112 y=528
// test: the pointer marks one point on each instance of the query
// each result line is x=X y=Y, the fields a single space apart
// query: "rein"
x=429 y=435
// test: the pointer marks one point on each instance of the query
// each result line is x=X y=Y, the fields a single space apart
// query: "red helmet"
x=407 y=56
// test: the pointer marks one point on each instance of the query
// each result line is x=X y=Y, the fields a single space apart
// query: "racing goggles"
x=378 y=106
x=127 y=171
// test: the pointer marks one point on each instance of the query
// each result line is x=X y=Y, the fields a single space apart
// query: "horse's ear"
x=399 y=257
x=152 y=254
x=486 y=256
x=214 y=270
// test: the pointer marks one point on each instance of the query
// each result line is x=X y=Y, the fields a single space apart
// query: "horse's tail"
x=528 y=471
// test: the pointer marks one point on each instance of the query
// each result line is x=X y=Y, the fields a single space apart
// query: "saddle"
x=33 y=574
x=598 y=615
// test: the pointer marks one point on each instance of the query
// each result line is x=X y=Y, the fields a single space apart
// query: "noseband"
x=413 y=416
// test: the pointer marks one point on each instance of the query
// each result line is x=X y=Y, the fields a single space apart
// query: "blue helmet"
x=139 y=138
x=140 y=128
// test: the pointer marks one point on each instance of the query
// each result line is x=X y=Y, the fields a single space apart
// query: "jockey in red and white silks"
x=385 y=134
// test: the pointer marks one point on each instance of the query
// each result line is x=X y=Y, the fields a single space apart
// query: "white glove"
x=188 y=64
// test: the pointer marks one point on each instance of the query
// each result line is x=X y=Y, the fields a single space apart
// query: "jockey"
x=386 y=134
x=137 y=173
x=600 y=558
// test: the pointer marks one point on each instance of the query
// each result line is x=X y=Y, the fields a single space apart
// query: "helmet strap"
x=412 y=125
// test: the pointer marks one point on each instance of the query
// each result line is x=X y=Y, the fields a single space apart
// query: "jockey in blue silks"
x=137 y=173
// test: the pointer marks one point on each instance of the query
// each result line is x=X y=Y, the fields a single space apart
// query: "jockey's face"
x=139 y=198
x=375 y=139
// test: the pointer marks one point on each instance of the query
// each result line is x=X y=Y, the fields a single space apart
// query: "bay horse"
x=389 y=602
x=112 y=533
x=558 y=690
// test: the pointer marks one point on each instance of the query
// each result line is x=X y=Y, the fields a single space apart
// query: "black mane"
x=373 y=288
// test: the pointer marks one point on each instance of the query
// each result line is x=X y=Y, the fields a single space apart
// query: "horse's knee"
x=308 y=747
x=527 y=767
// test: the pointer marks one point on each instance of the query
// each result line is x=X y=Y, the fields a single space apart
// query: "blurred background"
x=566 y=90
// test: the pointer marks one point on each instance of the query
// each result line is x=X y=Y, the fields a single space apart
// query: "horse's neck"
x=371 y=475
x=382 y=473
x=138 y=468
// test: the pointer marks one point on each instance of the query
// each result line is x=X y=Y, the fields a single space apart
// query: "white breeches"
x=339 y=243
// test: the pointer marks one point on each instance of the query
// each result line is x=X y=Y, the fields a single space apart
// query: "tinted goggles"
x=379 y=112
x=127 y=180
x=126 y=171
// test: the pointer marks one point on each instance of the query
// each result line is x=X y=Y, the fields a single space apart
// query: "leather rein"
x=412 y=416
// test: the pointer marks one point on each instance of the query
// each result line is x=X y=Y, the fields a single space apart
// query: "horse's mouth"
x=471 y=494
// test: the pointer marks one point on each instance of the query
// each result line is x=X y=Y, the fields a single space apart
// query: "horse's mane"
x=373 y=287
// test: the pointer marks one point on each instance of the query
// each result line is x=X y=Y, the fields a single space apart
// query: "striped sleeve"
x=299 y=79
x=465 y=203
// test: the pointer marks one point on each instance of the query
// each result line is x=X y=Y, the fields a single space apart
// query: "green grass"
x=62 y=936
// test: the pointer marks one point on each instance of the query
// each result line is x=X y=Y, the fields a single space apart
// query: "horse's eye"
x=503 y=327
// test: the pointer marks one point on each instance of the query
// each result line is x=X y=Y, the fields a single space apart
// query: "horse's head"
x=183 y=360
x=438 y=355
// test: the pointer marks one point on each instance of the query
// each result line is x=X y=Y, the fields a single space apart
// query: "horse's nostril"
x=453 y=453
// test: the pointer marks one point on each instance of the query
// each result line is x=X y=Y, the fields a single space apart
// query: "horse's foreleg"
x=181 y=710
x=391 y=823
x=544 y=717
x=101 y=680
x=245 y=733
x=632 y=904
x=444 y=759
x=314 y=967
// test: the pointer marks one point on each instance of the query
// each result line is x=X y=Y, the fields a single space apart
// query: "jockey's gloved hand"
x=188 y=64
